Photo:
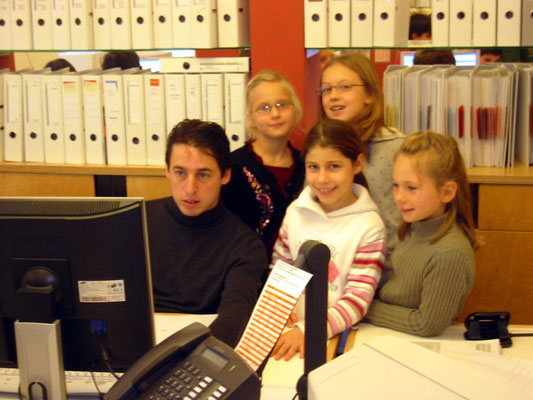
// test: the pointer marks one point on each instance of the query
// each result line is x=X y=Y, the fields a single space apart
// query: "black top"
x=207 y=264
x=254 y=195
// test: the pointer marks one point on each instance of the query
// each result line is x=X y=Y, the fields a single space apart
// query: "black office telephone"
x=189 y=365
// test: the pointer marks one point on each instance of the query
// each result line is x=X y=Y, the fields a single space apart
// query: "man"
x=204 y=259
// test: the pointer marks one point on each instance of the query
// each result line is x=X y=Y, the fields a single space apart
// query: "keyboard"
x=78 y=382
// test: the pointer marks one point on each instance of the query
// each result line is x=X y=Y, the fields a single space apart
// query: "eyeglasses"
x=267 y=108
x=325 y=91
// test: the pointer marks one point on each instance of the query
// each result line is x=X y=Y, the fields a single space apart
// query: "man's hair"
x=59 y=63
x=121 y=59
x=206 y=136
x=430 y=57
x=419 y=23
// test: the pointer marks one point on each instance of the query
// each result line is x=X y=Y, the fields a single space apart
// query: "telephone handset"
x=191 y=364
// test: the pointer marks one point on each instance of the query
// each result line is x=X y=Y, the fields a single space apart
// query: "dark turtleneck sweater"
x=208 y=264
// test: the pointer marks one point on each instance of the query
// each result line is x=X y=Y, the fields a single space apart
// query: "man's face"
x=195 y=179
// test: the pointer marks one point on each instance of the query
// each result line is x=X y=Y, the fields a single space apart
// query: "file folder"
x=142 y=33
x=162 y=23
x=33 y=117
x=362 y=29
x=182 y=23
x=115 y=127
x=527 y=23
x=93 y=118
x=72 y=96
x=524 y=140
x=193 y=96
x=508 y=22
x=484 y=23
x=81 y=24
x=13 y=118
x=5 y=25
x=204 y=24
x=135 y=118
x=213 y=98
x=53 y=129
x=102 y=24
x=61 y=25
x=2 y=134
x=156 y=134
x=234 y=107
x=440 y=22
x=41 y=17
x=391 y=22
x=339 y=23
x=174 y=100
x=120 y=16
x=233 y=23
x=460 y=23
x=316 y=23
x=21 y=33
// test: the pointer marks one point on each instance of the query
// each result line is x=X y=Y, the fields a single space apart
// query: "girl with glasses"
x=267 y=172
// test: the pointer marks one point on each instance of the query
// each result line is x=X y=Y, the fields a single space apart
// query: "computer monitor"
x=83 y=262
x=468 y=57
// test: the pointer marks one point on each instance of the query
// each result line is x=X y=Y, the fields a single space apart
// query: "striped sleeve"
x=281 y=247
x=362 y=282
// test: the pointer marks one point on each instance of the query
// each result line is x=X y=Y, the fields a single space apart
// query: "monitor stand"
x=40 y=360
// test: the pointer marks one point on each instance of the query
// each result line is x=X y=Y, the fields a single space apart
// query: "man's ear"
x=227 y=176
x=449 y=191
x=167 y=172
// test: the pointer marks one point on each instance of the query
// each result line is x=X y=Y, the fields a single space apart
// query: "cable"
x=295 y=396
x=520 y=334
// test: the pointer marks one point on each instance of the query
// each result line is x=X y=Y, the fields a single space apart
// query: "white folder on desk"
x=213 y=98
x=72 y=98
x=21 y=32
x=41 y=24
x=204 y=24
x=61 y=25
x=508 y=22
x=460 y=23
x=33 y=117
x=316 y=23
x=233 y=23
x=193 y=96
x=142 y=33
x=162 y=23
x=93 y=116
x=115 y=125
x=120 y=16
x=484 y=23
x=135 y=118
x=235 y=94
x=362 y=29
x=13 y=118
x=53 y=128
x=527 y=23
x=102 y=24
x=156 y=134
x=81 y=24
x=391 y=22
x=339 y=23
x=174 y=100
x=5 y=25
x=440 y=22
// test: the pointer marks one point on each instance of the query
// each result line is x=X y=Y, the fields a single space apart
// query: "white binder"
x=391 y=22
x=174 y=99
x=102 y=24
x=440 y=22
x=115 y=125
x=120 y=16
x=204 y=24
x=33 y=117
x=527 y=23
x=213 y=98
x=205 y=64
x=2 y=72
x=339 y=23
x=460 y=23
x=72 y=96
x=21 y=32
x=93 y=118
x=142 y=33
x=182 y=23
x=162 y=22
x=53 y=129
x=5 y=25
x=193 y=96
x=41 y=17
x=484 y=23
x=156 y=134
x=316 y=23
x=61 y=25
x=362 y=29
x=233 y=23
x=508 y=22
x=235 y=95
x=13 y=118
x=81 y=24
x=135 y=119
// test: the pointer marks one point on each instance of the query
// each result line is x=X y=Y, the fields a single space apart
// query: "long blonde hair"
x=439 y=158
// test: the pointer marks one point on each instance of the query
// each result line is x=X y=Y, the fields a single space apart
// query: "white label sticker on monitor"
x=102 y=291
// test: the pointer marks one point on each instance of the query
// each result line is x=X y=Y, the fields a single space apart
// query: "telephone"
x=189 y=365
x=488 y=325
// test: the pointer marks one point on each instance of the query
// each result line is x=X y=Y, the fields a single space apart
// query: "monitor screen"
x=94 y=253
x=462 y=57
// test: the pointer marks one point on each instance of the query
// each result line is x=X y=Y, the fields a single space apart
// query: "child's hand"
x=293 y=318
x=289 y=344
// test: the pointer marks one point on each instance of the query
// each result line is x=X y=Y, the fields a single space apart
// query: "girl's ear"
x=358 y=164
x=448 y=192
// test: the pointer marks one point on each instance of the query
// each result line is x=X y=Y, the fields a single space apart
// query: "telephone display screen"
x=214 y=357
